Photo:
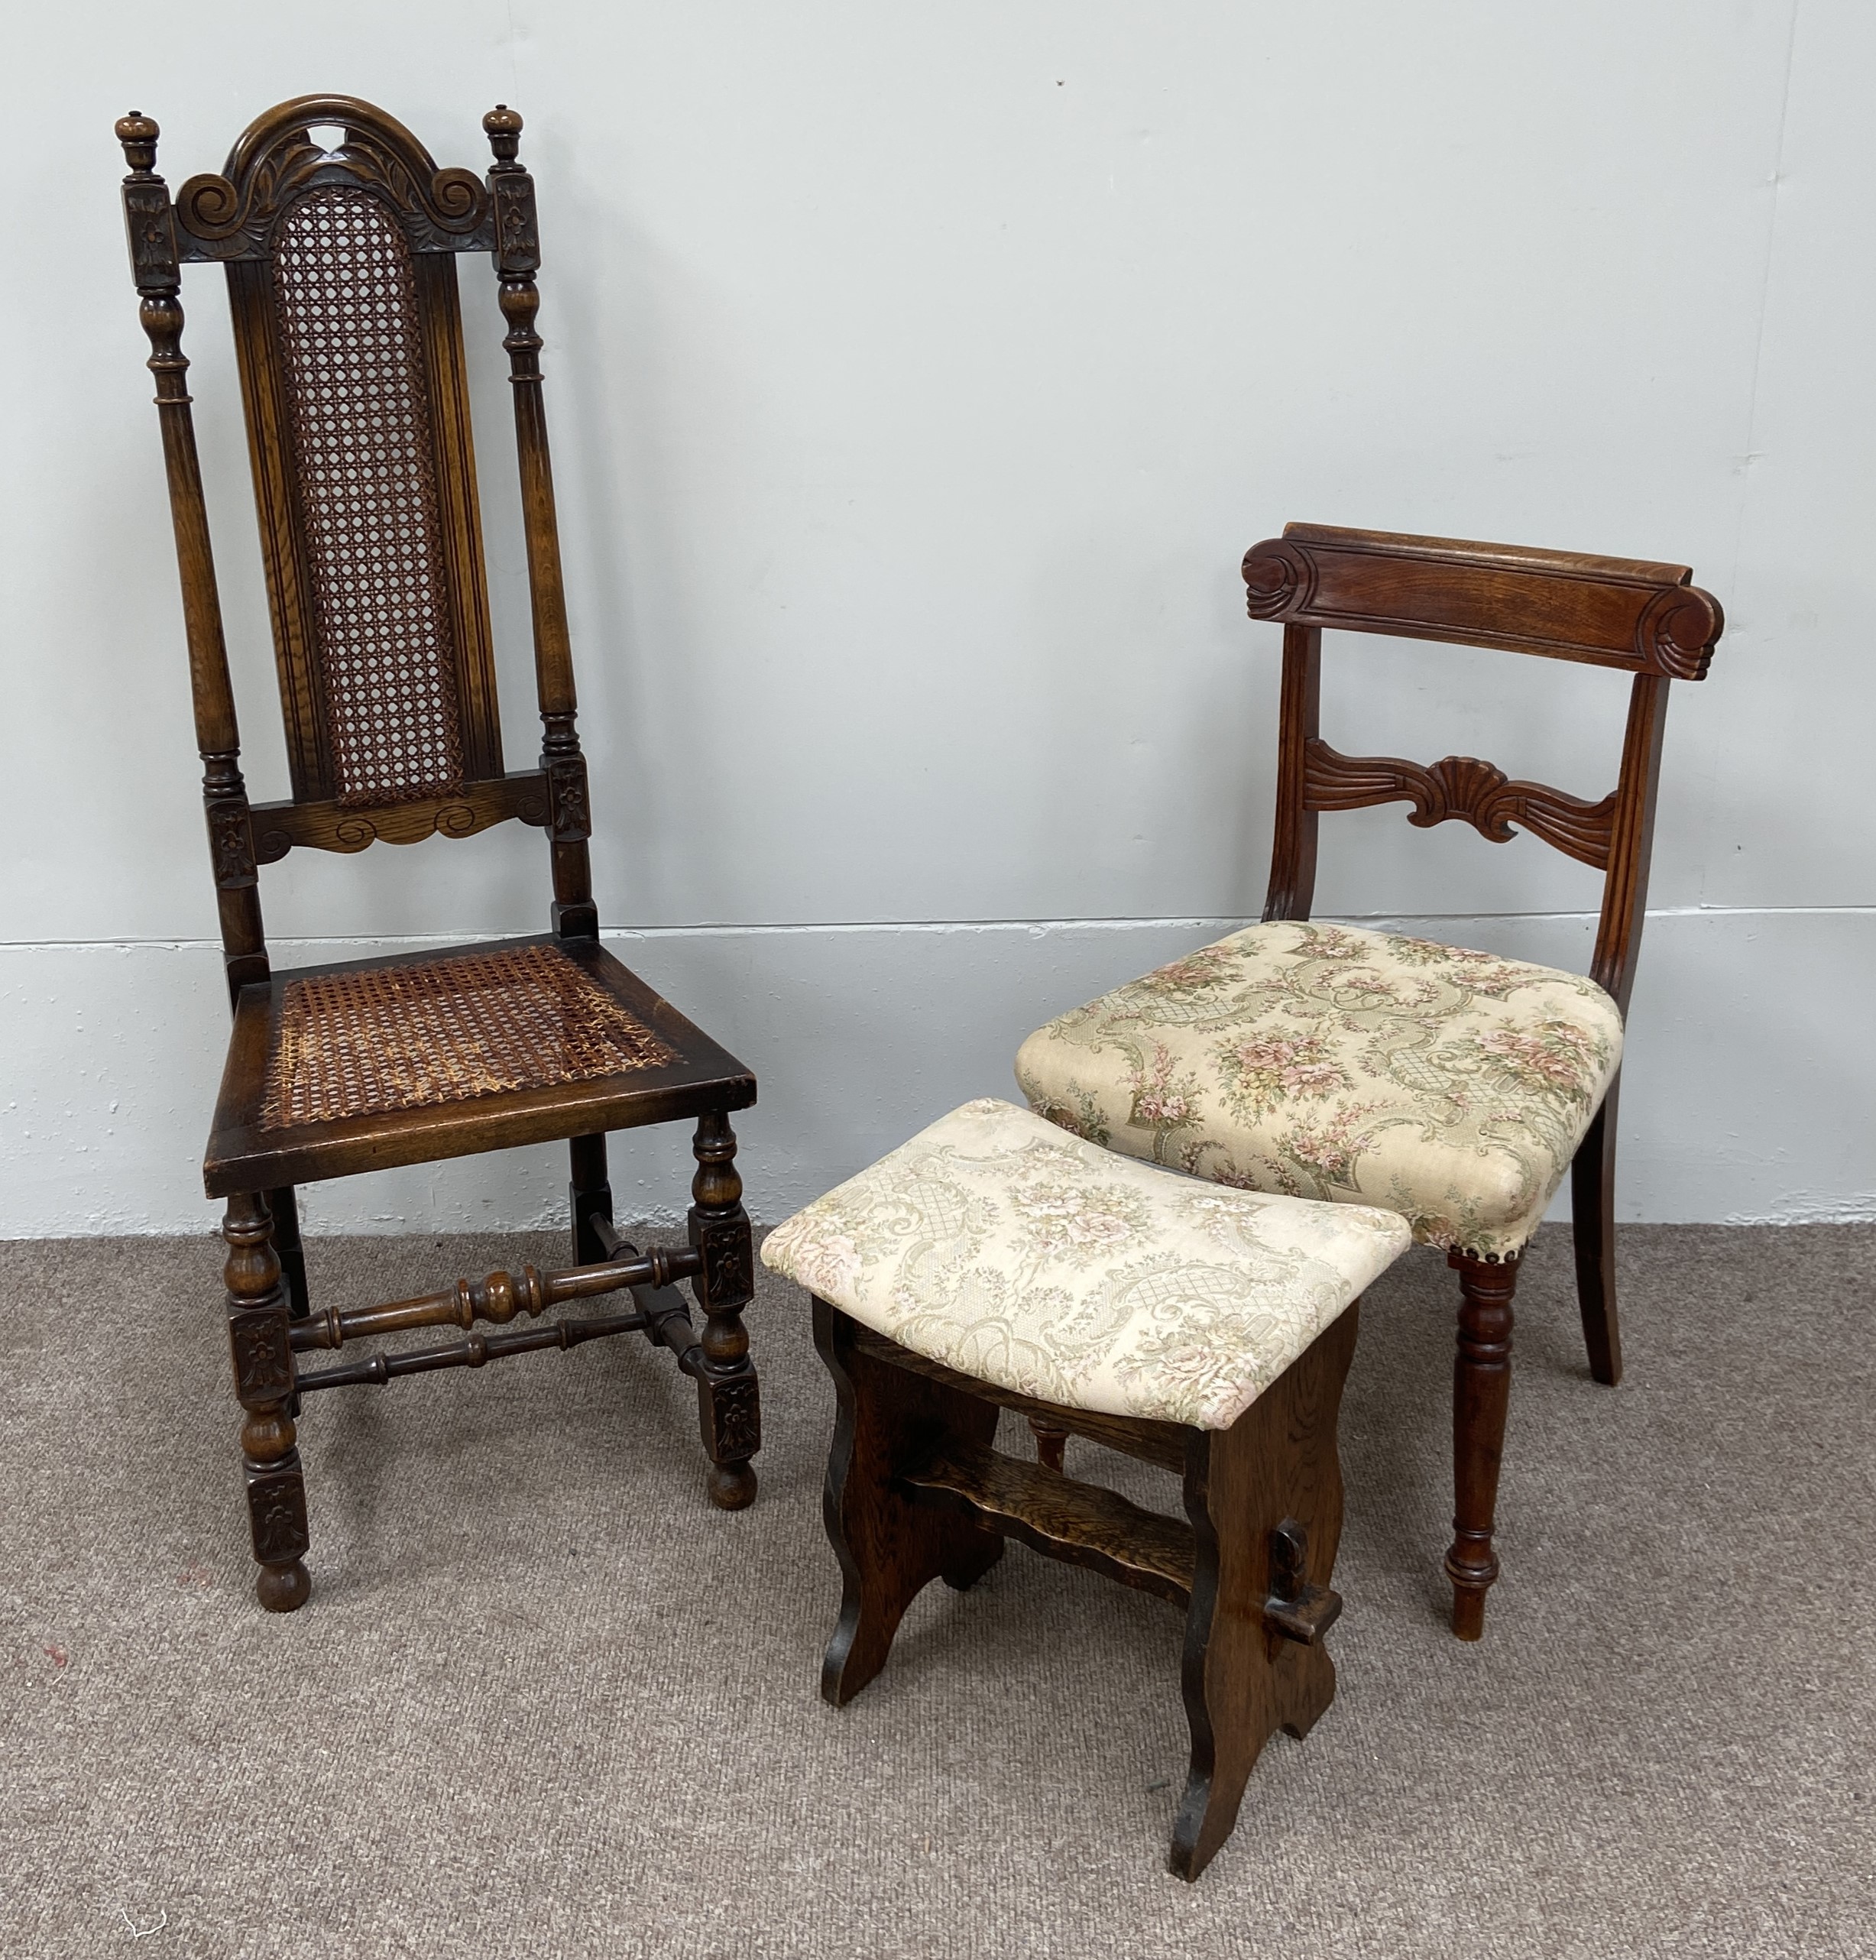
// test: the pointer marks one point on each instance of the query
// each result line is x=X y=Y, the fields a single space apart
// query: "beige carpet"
x=545 y=1702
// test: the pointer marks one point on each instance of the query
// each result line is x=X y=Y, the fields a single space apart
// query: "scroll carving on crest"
x=1278 y=580
x=1676 y=632
x=232 y=216
x=1642 y=617
x=1465 y=788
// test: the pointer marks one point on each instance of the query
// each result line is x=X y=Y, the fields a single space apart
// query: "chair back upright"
x=1648 y=620
x=340 y=235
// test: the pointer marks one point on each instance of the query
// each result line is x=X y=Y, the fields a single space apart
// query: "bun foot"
x=731 y=1486
x=283 y=1588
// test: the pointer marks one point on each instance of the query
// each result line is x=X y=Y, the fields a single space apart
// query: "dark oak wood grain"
x=341 y=266
x=1265 y=1498
x=1646 y=619
x=914 y=1491
x=1080 y=1524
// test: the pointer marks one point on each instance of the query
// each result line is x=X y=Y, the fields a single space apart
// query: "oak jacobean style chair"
x=1446 y=1084
x=340 y=235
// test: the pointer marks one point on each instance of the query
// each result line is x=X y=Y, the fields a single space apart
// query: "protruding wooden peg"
x=1295 y=1609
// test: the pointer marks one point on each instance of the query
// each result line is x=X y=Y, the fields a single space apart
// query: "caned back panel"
x=348 y=331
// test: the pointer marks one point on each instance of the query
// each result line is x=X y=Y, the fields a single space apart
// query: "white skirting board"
x=1746 y=1098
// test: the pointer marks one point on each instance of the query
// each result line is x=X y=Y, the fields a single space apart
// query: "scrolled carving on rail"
x=1676 y=631
x=1465 y=788
x=1279 y=580
x=331 y=826
x=232 y=215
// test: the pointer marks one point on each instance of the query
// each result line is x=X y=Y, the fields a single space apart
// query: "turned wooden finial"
x=503 y=128
x=138 y=134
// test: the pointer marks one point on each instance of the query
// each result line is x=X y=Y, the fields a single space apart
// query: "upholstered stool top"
x=1008 y=1250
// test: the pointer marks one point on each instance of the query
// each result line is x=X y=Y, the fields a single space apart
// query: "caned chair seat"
x=1332 y=1062
x=1011 y=1252
x=324 y=1059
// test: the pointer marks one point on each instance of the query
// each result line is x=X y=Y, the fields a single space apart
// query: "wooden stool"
x=995 y=1261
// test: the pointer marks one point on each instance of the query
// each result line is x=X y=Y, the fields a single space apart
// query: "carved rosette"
x=260 y=1346
x=517 y=230
x=730 y=1413
x=277 y=1513
x=150 y=225
x=728 y=1278
x=1277 y=580
x=1676 y=631
x=569 y=817
x=230 y=845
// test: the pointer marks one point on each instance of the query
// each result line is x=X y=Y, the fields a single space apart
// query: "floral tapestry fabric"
x=1016 y=1255
x=1329 y=1061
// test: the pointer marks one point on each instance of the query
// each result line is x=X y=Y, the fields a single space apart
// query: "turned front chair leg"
x=1592 y=1225
x=728 y=1404
x=259 y=1317
x=1481 y=1383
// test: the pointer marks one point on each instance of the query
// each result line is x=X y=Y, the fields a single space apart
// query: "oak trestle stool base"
x=1002 y=1250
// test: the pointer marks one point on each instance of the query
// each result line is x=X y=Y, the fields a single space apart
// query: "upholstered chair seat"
x=1322 y=1061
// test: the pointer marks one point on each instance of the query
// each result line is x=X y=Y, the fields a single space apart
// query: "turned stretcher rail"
x=477 y=1350
x=500 y=1296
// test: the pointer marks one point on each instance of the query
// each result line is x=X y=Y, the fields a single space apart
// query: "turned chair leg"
x=258 y=1316
x=1592 y=1215
x=589 y=1195
x=1051 y=1442
x=1482 y=1384
x=889 y=1548
x=729 y=1408
x=1265 y=1498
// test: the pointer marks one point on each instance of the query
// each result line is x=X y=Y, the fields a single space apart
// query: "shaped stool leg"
x=258 y=1316
x=1481 y=1390
x=889 y=1548
x=1592 y=1226
x=1265 y=1498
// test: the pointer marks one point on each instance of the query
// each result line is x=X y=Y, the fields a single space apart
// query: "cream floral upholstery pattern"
x=1327 y=1061
x=1019 y=1256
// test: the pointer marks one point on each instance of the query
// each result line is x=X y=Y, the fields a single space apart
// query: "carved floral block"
x=729 y=1414
x=277 y=1513
x=260 y=1346
x=728 y=1277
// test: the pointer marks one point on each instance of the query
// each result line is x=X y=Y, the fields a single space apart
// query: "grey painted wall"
x=917 y=381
